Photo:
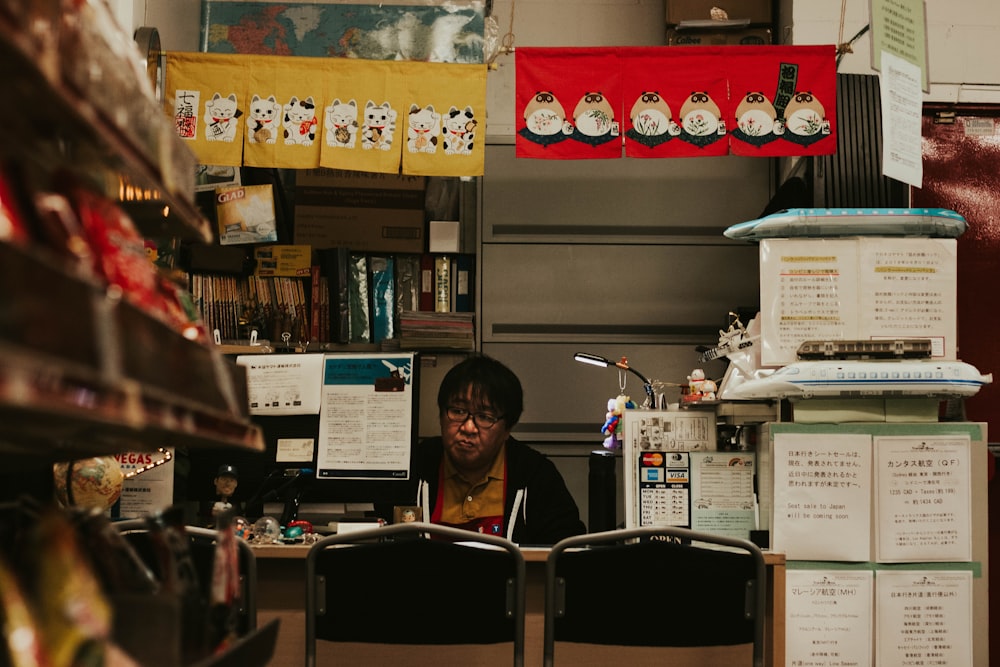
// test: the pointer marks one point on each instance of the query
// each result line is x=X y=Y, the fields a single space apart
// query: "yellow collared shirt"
x=465 y=500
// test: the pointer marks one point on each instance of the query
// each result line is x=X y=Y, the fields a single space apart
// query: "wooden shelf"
x=55 y=411
x=64 y=125
x=85 y=371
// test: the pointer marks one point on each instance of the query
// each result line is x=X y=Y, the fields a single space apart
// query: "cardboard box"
x=745 y=11
x=707 y=37
x=246 y=215
x=866 y=288
x=367 y=212
x=362 y=180
x=362 y=230
x=445 y=236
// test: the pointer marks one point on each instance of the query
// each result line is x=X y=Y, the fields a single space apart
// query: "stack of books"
x=421 y=330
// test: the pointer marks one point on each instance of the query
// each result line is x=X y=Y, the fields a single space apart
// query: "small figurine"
x=613 y=422
x=708 y=389
x=695 y=382
x=226 y=481
x=407 y=514
x=699 y=388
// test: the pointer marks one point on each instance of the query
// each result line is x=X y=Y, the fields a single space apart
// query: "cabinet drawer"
x=639 y=294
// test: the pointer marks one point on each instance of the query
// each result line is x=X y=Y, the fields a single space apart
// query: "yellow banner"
x=361 y=131
x=445 y=118
x=265 y=111
x=206 y=99
x=301 y=113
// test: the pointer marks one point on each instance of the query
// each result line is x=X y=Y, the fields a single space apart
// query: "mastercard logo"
x=652 y=459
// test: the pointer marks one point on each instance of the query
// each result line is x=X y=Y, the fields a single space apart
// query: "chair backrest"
x=415 y=583
x=136 y=531
x=655 y=587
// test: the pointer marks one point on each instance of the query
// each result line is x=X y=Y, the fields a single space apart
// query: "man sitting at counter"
x=476 y=476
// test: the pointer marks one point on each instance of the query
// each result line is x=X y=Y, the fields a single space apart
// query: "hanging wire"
x=843 y=15
x=843 y=48
x=507 y=41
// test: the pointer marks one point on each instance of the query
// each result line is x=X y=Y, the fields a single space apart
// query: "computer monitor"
x=296 y=476
x=266 y=482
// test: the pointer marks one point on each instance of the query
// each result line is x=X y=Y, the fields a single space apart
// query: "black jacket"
x=542 y=508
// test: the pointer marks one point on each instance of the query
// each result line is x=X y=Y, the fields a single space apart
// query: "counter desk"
x=281 y=595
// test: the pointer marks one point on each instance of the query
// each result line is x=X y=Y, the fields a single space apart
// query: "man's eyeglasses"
x=482 y=420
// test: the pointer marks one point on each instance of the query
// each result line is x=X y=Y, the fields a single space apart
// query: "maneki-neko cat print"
x=342 y=124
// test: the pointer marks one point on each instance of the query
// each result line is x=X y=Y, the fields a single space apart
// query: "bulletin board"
x=960 y=156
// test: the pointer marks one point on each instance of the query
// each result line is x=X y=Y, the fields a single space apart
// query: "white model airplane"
x=866 y=378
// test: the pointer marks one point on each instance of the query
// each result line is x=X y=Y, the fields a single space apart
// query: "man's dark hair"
x=492 y=383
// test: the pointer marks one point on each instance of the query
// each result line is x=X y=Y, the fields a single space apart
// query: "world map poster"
x=413 y=30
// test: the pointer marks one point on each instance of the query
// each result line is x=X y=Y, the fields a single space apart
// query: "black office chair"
x=416 y=584
x=650 y=588
x=136 y=531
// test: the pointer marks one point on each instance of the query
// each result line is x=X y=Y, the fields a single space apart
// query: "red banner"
x=677 y=107
x=784 y=100
x=570 y=103
x=687 y=101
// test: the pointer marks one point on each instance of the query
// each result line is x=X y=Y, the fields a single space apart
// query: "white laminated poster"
x=669 y=430
x=283 y=384
x=663 y=488
x=829 y=617
x=909 y=290
x=656 y=450
x=923 y=499
x=366 y=420
x=822 y=496
x=809 y=291
x=902 y=106
x=923 y=617
x=723 y=499
x=865 y=288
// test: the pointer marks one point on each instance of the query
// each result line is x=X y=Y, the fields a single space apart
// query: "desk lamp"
x=595 y=360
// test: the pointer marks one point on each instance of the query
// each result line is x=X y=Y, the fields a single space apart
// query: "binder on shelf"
x=427 y=282
x=382 y=269
x=407 y=282
x=334 y=263
x=314 y=303
x=359 y=299
x=464 y=282
x=442 y=284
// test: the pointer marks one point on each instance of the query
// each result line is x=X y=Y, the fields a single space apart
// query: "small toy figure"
x=612 y=425
x=699 y=388
x=695 y=382
x=708 y=389
x=407 y=514
x=226 y=481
